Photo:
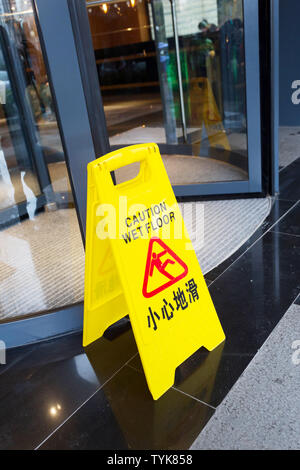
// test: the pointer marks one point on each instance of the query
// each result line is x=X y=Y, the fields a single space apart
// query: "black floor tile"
x=13 y=357
x=49 y=383
x=250 y=298
x=44 y=352
x=297 y=301
x=279 y=209
x=123 y=415
x=207 y=376
x=289 y=178
x=253 y=294
x=211 y=380
x=290 y=223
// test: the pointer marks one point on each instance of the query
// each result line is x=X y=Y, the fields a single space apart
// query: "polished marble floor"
x=56 y=395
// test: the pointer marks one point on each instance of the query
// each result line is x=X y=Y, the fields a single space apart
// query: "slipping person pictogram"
x=154 y=263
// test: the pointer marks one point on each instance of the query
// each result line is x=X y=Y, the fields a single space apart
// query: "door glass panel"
x=173 y=72
x=211 y=50
x=41 y=252
x=126 y=59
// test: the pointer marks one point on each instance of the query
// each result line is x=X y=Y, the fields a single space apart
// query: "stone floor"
x=262 y=410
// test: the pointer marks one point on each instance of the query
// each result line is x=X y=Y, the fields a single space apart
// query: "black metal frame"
x=274 y=53
x=89 y=76
x=62 y=63
x=269 y=69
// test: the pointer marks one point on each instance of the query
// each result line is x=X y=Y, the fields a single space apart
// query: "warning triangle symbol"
x=163 y=268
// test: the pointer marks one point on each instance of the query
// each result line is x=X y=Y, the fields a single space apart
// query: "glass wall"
x=173 y=72
x=41 y=251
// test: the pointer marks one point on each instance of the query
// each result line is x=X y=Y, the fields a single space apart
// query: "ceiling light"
x=104 y=8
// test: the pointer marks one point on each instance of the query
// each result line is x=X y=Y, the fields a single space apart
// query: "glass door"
x=184 y=74
x=41 y=250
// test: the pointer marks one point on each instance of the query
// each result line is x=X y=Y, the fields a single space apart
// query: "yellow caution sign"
x=204 y=111
x=139 y=262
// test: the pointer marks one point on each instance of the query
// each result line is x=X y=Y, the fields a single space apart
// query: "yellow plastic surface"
x=153 y=277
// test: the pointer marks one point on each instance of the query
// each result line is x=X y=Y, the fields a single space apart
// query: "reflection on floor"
x=42 y=260
x=124 y=108
x=13 y=186
x=17 y=187
x=55 y=395
x=157 y=134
